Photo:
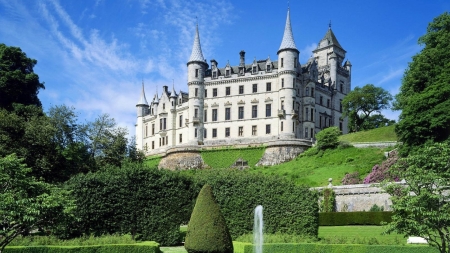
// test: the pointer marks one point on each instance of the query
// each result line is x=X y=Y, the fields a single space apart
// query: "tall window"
x=320 y=121
x=340 y=105
x=153 y=144
x=146 y=130
x=268 y=129
x=306 y=114
x=268 y=110
x=164 y=123
x=153 y=129
x=282 y=104
x=227 y=91
x=195 y=132
x=254 y=69
x=268 y=86
x=307 y=91
x=181 y=120
x=320 y=100
x=268 y=68
x=342 y=86
x=214 y=134
x=196 y=113
x=206 y=93
x=254 y=111
x=312 y=114
x=253 y=130
x=160 y=124
x=255 y=87
x=295 y=62
x=241 y=131
x=164 y=106
x=196 y=92
x=340 y=126
x=214 y=114
x=214 y=74
x=312 y=92
x=215 y=92
x=227 y=113
x=312 y=133
x=282 y=82
x=227 y=72
x=181 y=138
x=205 y=116
x=241 y=112
x=282 y=62
x=306 y=132
x=328 y=103
x=241 y=89
x=227 y=132
x=282 y=126
x=204 y=133
x=196 y=73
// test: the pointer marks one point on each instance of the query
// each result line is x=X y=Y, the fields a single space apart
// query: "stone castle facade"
x=253 y=103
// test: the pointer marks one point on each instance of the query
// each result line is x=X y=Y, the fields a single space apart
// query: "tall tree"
x=18 y=82
x=360 y=103
x=422 y=208
x=425 y=91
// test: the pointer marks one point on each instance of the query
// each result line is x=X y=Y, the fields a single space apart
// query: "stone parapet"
x=283 y=150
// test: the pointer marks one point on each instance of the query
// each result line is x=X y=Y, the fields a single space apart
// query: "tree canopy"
x=422 y=208
x=18 y=82
x=424 y=97
x=360 y=103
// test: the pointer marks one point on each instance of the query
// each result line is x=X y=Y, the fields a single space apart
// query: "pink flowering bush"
x=351 y=178
x=383 y=172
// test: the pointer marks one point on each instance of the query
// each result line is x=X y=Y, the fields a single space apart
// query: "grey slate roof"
x=196 y=54
x=142 y=99
x=288 y=37
x=330 y=38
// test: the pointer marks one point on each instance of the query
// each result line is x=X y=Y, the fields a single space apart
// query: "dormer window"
x=196 y=72
x=227 y=72
x=254 y=69
x=214 y=74
x=268 y=69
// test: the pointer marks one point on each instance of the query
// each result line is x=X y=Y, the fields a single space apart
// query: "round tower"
x=142 y=110
x=197 y=67
x=288 y=61
x=333 y=68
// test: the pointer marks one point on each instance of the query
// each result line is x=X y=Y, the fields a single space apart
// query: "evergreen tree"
x=207 y=231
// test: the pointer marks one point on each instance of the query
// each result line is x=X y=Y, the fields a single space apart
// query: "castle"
x=252 y=103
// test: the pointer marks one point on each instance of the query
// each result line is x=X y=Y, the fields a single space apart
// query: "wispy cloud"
x=306 y=52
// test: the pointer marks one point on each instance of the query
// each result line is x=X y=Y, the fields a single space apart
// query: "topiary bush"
x=328 y=138
x=207 y=230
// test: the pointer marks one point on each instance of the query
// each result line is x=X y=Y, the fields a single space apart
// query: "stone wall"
x=360 y=197
x=281 y=151
x=182 y=158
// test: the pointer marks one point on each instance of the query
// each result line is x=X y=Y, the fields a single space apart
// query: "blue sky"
x=93 y=55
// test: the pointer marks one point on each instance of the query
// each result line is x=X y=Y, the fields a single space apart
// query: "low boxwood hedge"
x=354 y=218
x=337 y=248
x=144 y=247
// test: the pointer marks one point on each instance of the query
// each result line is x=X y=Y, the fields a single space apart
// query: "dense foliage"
x=383 y=172
x=422 y=208
x=149 y=204
x=25 y=202
x=424 y=94
x=18 y=82
x=143 y=247
x=226 y=157
x=351 y=178
x=207 y=230
x=238 y=193
x=354 y=218
x=328 y=138
x=328 y=203
x=360 y=103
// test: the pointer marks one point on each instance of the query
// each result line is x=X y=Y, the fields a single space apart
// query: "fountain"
x=258 y=230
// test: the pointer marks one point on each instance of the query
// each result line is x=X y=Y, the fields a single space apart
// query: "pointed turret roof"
x=196 y=54
x=288 y=38
x=173 y=94
x=329 y=40
x=142 y=99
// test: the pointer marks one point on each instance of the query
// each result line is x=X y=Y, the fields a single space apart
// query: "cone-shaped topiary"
x=207 y=231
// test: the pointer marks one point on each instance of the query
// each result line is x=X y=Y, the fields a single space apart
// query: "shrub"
x=328 y=138
x=376 y=208
x=147 y=203
x=383 y=172
x=354 y=218
x=351 y=178
x=239 y=192
x=329 y=200
x=147 y=247
x=207 y=230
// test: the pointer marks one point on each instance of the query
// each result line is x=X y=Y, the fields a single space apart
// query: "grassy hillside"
x=314 y=170
x=224 y=158
x=373 y=135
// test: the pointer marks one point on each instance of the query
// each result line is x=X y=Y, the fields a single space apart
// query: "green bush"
x=144 y=247
x=354 y=218
x=207 y=230
x=328 y=138
x=328 y=203
x=148 y=203
x=338 y=248
x=288 y=208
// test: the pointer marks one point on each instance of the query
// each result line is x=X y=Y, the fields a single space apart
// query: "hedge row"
x=288 y=209
x=354 y=218
x=335 y=248
x=144 y=247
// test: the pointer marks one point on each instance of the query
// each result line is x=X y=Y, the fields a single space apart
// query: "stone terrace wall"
x=182 y=158
x=360 y=197
x=281 y=151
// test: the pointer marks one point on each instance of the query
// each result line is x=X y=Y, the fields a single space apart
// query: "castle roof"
x=142 y=99
x=329 y=40
x=196 y=54
x=288 y=38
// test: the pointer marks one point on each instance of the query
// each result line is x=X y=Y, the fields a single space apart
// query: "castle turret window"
x=215 y=92
x=282 y=82
x=181 y=138
x=195 y=132
x=181 y=120
x=268 y=86
x=241 y=89
x=227 y=91
x=255 y=87
x=196 y=73
x=206 y=93
x=312 y=114
x=328 y=103
x=196 y=92
x=295 y=62
x=268 y=69
x=282 y=62
x=281 y=128
x=320 y=100
x=205 y=116
x=153 y=129
x=164 y=106
x=146 y=130
x=312 y=92
x=195 y=113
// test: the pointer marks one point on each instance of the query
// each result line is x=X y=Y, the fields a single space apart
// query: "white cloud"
x=306 y=52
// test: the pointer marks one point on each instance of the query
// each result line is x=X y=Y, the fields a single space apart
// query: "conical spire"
x=196 y=54
x=142 y=99
x=173 y=94
x=288 y=37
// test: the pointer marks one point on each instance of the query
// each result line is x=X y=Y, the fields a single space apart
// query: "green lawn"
x=315 y=170
x=358 y=235
x=373 y=135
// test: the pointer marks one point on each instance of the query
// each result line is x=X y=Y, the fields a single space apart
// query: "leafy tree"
x=18 y=82
x=424 y=94
x=360 y=103
x=27 y=203
x=422 y=208
x=328 y=138
x=371 y=122
x=207 y=230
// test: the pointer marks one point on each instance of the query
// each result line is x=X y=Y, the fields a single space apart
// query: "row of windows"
x=214 y=113
x=227 y=132
x=254 y=69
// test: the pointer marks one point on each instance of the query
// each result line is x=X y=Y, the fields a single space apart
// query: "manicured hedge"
x=145 y=247
x=148 y=203
x=338 y=248
x=288 y=208
x=354 y=218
